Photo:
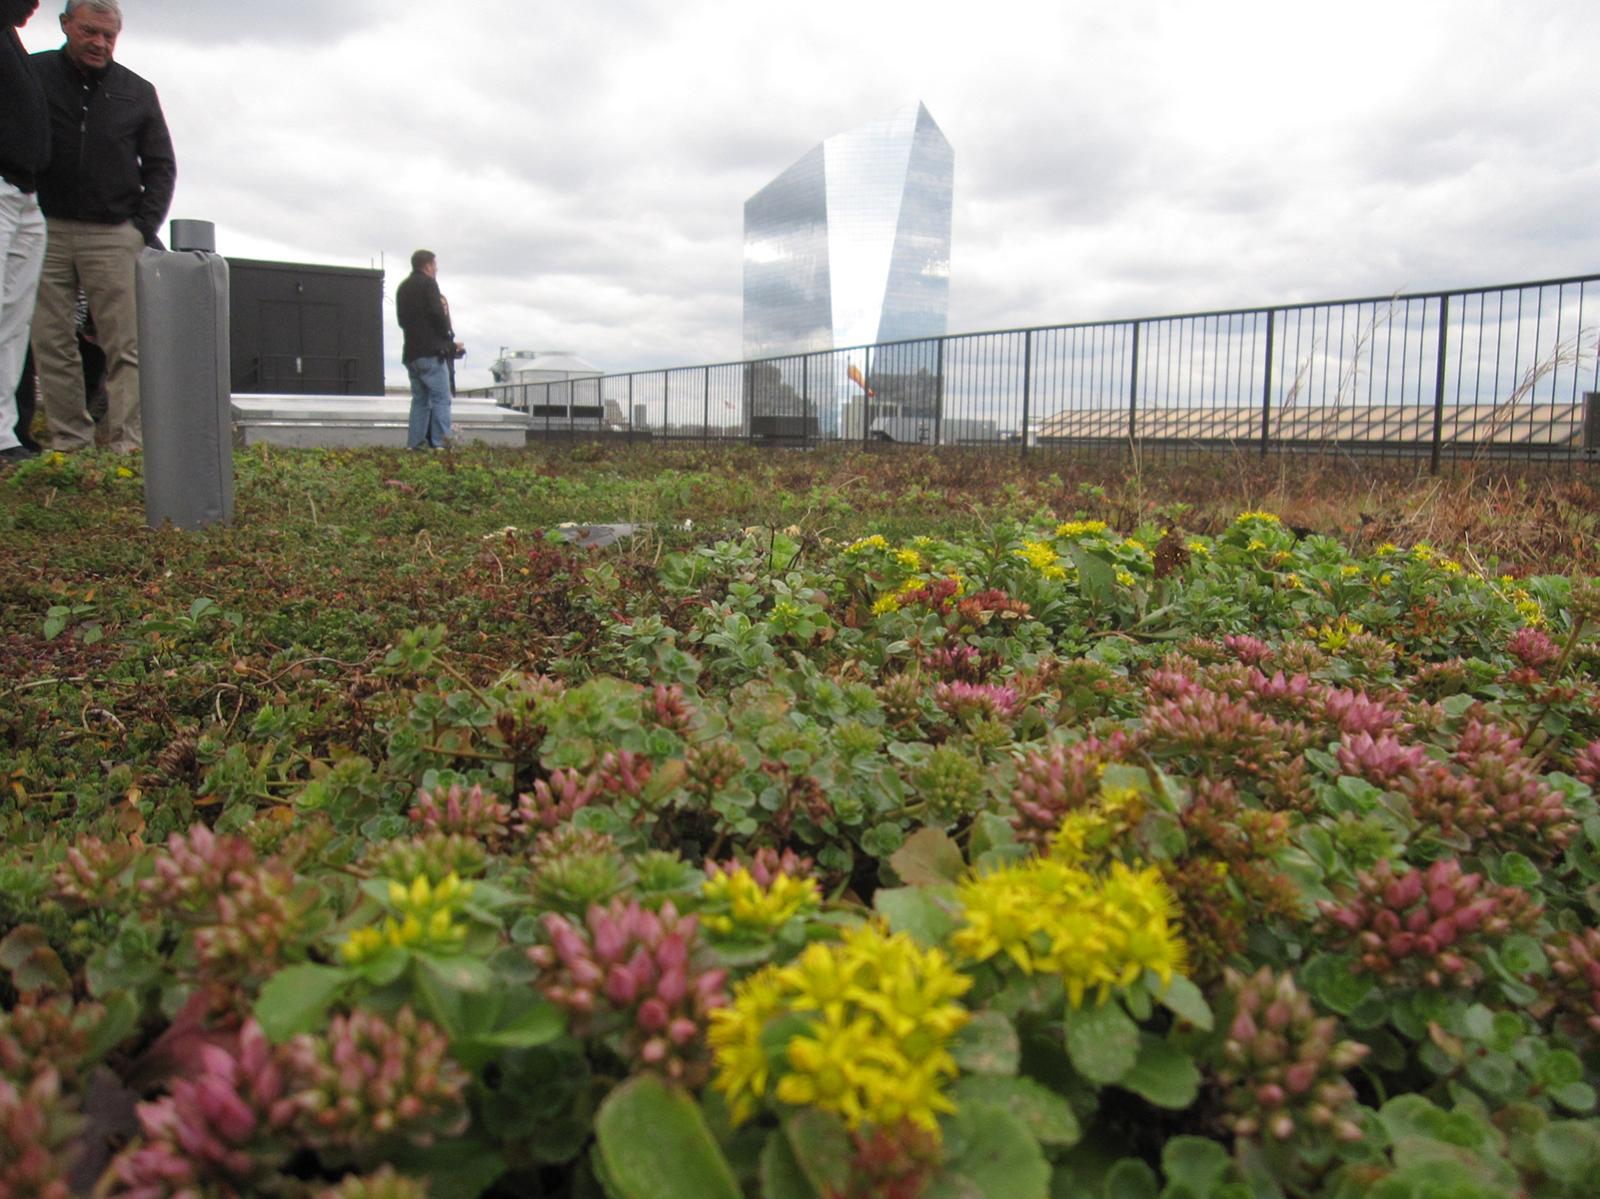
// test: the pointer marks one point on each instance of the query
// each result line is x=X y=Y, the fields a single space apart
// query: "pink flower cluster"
x=619 y=773
x=1252 y=651
x=553 y=801
x=668 y=708
x=1492 y=792
x=1575 y=966
x=1533 y=648
x=52 y=1034
x=244 y=911
x=1425 y=927
x=1354 y=712
x=252 y=926
x=465 y=811
x=1587 y=764
x=1282 y=1066
x=630 y=971
x=1061 y=779
x=957 y=661
x=196 y=868
x=711 y=766
x=765 y=865
x=89 y=875
x=977 y=701
x=230 y=1127
x=224 y=1130
x=1220 y=734
x=1381 y=759
x=35 y=1128
x=367 y=1079
x=1280 y=696
x=436 y=856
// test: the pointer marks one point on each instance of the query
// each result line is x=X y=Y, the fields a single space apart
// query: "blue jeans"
x=430 y=403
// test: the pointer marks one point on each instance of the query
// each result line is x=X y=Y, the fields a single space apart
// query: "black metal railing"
x=1506 y=370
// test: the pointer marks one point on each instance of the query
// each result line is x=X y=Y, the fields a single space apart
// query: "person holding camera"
x=429 y=350
x=460 y=351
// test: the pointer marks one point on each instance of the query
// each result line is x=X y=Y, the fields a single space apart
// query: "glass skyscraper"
x=851 y=245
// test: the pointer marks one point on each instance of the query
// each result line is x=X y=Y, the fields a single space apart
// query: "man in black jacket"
x=104 y=195
x=24 y=151
x=430 y=346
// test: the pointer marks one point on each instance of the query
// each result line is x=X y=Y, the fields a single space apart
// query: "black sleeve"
x=158 y=170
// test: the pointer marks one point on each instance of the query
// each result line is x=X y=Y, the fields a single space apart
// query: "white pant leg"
x=21 y=256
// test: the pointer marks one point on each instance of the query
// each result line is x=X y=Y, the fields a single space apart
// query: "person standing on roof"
x=24 y=151
x=430 y=347
x=105 y=193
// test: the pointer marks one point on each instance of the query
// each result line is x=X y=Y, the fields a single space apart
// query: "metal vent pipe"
x=184 y=385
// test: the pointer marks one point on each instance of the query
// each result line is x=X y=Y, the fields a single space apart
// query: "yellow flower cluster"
x=424 y=918
x=1133 y=543
x=909 y=559
x=738 y=903
x=1125 y=577
x=1271 y=518
x=890 y=601
x=1450 y=566
x=1522 y=600
x=1099 y=932
x=875 y=542
x=1387 y=549
x=1041 y=555
x=1334 y=637
x=876 y=1014
x=1080 y=528
x=1199 y=547
x=1088 y=835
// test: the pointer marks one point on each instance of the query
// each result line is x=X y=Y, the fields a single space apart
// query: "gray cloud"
x=225 y=22
x=581 y=170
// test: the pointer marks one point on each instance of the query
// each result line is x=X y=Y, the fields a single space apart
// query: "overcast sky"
x=581 y=169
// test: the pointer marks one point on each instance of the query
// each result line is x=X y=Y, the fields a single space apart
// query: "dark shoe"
x=17 y=453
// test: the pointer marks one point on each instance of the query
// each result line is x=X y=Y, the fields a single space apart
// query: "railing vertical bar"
x=1027 y=385
x=805 y=402
x=1266 y=382
x=1439 y=383
x=1133 y=389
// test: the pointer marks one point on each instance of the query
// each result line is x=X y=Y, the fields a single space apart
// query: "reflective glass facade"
x=851 y=245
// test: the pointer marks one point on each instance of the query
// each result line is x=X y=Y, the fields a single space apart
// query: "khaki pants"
x=100 y=259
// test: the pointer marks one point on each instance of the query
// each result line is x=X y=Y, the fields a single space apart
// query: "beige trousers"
x=100 y=259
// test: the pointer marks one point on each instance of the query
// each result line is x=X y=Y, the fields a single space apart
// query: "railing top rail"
x=1206 y=314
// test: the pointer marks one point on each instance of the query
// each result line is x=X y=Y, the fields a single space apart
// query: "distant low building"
x=540 y=366
x=555 y=387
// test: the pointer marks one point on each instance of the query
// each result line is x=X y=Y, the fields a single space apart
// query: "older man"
x=104 y=195
x=24 y=150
